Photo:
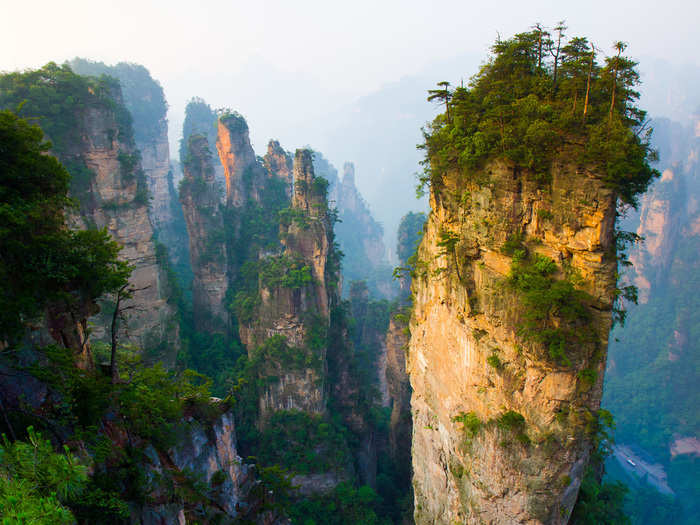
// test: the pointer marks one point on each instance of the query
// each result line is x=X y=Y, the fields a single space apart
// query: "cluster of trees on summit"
x=539 y=93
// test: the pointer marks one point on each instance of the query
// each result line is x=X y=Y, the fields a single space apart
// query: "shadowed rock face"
x=399 y=391
x=293 y=311
x=200 y=197
x=527 y=469
x=278 y=163
x=116 y=203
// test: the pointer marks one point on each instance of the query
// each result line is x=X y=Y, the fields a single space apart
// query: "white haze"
x=348 y=79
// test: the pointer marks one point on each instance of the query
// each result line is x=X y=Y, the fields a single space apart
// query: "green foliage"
x=510 y=421
x=284 y=271
x=555 y=313
x=523 y=107
x=56 y=98
x=303 y=443
x=494 y=361
x=447 y=242
x=41 y=261
x=294 y=215
x=200 y=119
x=36 y=483
x=276 y=350
x=513 y=245
x=143 y=96
x=545 y=215
x=345 y=505
x=409 y=235
x=513 y=423
x=471 y=424
x=600 y=502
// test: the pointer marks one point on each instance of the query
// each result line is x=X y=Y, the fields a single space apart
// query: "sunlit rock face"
x=238 y=159
x=200 y=197
x=469 y=363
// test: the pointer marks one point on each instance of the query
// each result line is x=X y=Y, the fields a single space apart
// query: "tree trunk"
x=588 y=82
x=114 y=372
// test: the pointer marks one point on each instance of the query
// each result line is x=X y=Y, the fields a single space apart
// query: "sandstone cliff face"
x=502 y=439
x=204 y=451
x=117 y=194
x=238 y=159
x=298 y=310
x=278 y=163
x=200 y=197
x=155 y=160
x=399 y=392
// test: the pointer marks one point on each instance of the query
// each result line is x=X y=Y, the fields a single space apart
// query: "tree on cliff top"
x=525 y=106
x=41 y=261
x=143 y=95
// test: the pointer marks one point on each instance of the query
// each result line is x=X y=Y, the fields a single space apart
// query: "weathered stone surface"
x=291 y=312
x=278 y=163
x=237 y=157
x=114 y=194
x=399 y=392
x=464 y=312
x=201 y=205
x=205 y=452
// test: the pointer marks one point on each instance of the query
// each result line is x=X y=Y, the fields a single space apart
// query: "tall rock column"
x=200 y=197
x=293 y=298
x=504 y=400
x=238 y=158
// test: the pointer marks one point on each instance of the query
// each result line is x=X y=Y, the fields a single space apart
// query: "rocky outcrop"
x=201 y=205
x=278 y=163
x=147 y=137
x=206 y=452
x=501 y=423
x=238 y=159
x=295 y=293
x=155 y=159
x=399 y=393
x=117 y=200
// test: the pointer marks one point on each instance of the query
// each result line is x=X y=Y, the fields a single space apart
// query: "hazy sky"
x=339 y=50
x=290 y=66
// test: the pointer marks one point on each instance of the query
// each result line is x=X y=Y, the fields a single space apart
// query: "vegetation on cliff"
x=58 y=100
x=536 y=95
x=143 y=95
x=529 y=167
x=108 y=425
x=41 y=261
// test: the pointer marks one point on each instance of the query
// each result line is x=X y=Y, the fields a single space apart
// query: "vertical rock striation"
x=295 y=292
x=118 y=195
x=501 y=426
x=201 y=205
x=399 y=391
x=238 y=158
